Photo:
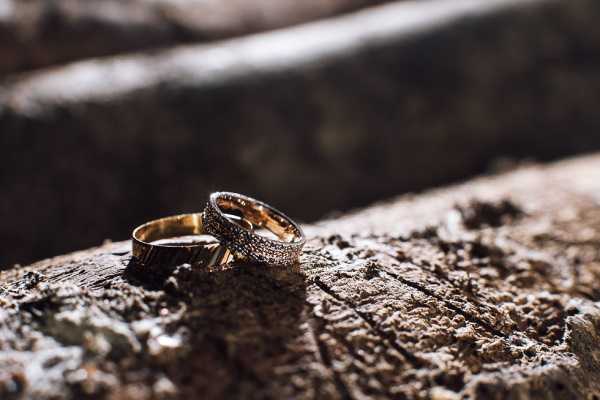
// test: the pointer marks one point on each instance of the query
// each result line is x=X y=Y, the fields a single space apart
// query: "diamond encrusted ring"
x=284 y=248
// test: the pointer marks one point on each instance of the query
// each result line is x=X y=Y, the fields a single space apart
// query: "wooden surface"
x=342 y=107
x=487 y=290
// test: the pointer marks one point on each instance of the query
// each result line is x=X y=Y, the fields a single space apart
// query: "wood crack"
x=325 y=356
x=387 y=336
x=349 y=348
x=468 y=316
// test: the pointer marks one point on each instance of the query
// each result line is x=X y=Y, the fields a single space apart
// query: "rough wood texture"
x=486 y=290
x=38 y=33
x=438 y=88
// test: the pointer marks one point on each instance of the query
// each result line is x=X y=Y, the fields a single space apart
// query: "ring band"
x=146 y=251
x=246 y=243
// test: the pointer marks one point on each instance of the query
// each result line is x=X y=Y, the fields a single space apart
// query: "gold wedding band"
x=148 y=250
x=245 y=243
x=233 y=221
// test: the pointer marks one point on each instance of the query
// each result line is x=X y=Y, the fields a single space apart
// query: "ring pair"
x=235 y=223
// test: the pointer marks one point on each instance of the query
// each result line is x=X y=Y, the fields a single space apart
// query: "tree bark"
x=486 y=290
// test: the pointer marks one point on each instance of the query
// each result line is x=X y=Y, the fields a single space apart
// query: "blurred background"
x=114 y=112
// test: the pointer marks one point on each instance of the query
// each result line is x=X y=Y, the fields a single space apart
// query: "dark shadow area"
x=236 y=318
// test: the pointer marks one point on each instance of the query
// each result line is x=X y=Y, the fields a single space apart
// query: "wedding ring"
x=247 y=244
x=150 y=247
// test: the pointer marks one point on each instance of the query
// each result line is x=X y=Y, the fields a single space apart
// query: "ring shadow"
x=240 y=326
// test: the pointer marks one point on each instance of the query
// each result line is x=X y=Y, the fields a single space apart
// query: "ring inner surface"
x=165 y=228
x=178 y=227
x=259 y=217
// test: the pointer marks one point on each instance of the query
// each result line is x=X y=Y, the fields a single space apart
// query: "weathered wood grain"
x=486 y=290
